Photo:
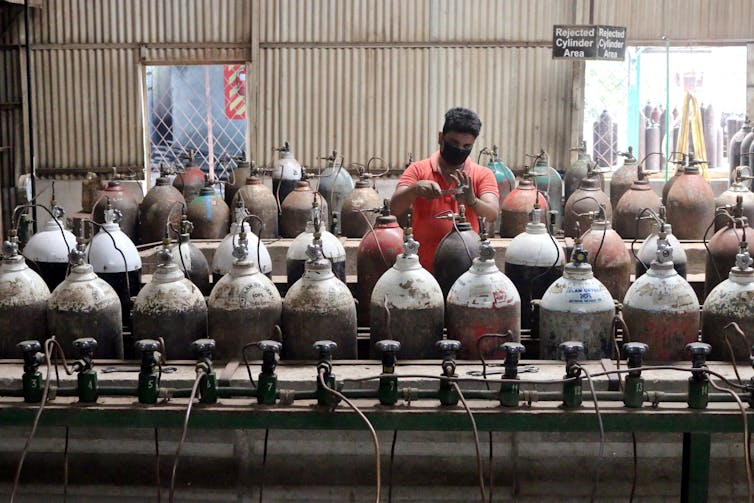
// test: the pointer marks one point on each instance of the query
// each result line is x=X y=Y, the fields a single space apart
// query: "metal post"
x=696 y=464
x=30 y=110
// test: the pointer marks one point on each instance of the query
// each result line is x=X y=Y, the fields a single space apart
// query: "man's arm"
x=486 y=206
x=405 y=195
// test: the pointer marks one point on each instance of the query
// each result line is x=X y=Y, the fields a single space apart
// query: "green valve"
x=87 y=386
x=509 y=390
x=388 y=388
x=208 y=389
x=633 y=391
x=203 y=349
x=267 y=380
x=149 y=382
x=87 y=376
x=572 y=389
x=698 y=382
x=267 y=386
x=448 y=348
x=325 y=350
x=32 y=378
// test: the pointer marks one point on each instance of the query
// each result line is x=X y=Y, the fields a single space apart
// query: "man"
x=424 y=185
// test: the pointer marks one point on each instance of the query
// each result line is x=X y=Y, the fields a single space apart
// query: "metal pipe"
x=29 y=94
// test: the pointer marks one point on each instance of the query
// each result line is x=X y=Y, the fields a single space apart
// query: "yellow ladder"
x=691 y=122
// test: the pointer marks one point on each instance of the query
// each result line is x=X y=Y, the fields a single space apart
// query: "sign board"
x=588 y=42
x=235 y=91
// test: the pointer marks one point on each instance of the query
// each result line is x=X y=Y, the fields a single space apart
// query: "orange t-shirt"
x=428 y=230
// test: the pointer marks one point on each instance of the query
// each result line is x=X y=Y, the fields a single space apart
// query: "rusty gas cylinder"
x=122 y=201
x=734 y=147
x=456 y=251
x=23 y=301
x=723 y=248
x=623 y=177
x=86 y=306
x=583 y=204
x=407 y=305
x=691 y=204
x=155 y=210
x=189 y=259
x=356 y=219
x=517 y=206
x=578 y=170
x=730 y=301
x=377 y=253
x=576 y=307
x=244 y=306
x=171 y=307
x=533 y=261
x=482 y=301
x=209 y=214
x=191 y=180
x=296 y=211
x=316 y=305
x=238 y=179
x=260 y=201
x=609 y=257
x=661 y=309
x=648 y=250
x=730 y=197
x=680 y=168
x=638 y=199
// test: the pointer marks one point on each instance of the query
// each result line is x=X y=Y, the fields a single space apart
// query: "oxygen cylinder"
x=648 y=250
x=241 y=173
x=723 y=247
x=317 y=304
x=653 y=142
x=506 y=180
x=533 y=261
x=730 y=197
x=286 y=172
x=116 y=260
x=115 y=197
x=355 y=219
x=84 y=305
x=548 y=181
x=623 y=177
x=669 y=184
x=171 y=307
x=244 y=306
x=517 y=206
x=661 y=309
x=734 y=147
x=632 y=204
x=577 y=171
x=377 y=253
x=189 y=259
x=691 y=203
x=608 y=256
x=209 y=214
x=259 y=201
x=335 y=185
x=456 y=251
x=730 y=301
x=576 y=307
x=710 y=124
x=297 y=207
x=407 y=305
x=483 y=300
x=583 y=204
x=47 y=251
x=191 y=180
x=222 y=260
x=332 y=249
x=23 y=301
x=155 y=211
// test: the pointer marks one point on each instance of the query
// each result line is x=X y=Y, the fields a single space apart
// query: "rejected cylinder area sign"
x=235 y=91
x=588 y=42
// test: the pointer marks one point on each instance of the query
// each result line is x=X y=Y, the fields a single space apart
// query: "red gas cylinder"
x=516 y=207
x=691 y=203
x=191 y=181
x=609 y=257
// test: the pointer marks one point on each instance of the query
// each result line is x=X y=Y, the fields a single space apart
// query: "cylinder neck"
x=407 y=262
x=578 y=271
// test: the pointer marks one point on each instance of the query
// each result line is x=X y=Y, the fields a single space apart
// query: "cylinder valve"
x=698 y=382
x=633 y=393
x=32 y=378
x=325 y=349
x=268 y=380
x=448 y=349
x=149 y=376
x=388 y=389
x=87 y=376
x=509 y=390
x=572 y=386
x=203 y=349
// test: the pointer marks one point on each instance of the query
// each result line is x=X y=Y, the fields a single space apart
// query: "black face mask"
x=453 y=155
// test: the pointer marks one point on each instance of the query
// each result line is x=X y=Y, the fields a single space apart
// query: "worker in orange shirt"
x=425 y=184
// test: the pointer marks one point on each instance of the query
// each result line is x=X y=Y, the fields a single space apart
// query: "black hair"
x=462 y=120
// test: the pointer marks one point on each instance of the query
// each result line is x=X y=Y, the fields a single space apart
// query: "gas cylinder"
x=297 y=207
x=238 y=179
x=116 y=260
x=623 y=177
x=533 y=261
x=723 y=247
x=84 y=305
x=332 y=249
x=483 y=300
x=171 y=307
x=746 y=144
x=661 y=309
x=377 y=253
x=691 y=203
x=730 y=301
x=335 y=185
x=318 y=304
x=260 y=201
x=669 y=184
x=23 y=301
x=653 y=143
x=576 y=307
x=222 y=260
x=209 y=214
x=734 y=147
x=608 y=256
x=506 y=180
x=633 y=202
x=583 y=204
x=548 y=181
x=129 y=184
x=577 y=171
x=730 y=196
x=189 y=259
x=456 y=251
x=191 y=180
x=244 y=306
x=517 y=206
x=47 y=251
x=407 y=305
x=120 y=200
x=355 y=218
x=648 y=249
x=710 y=124
x=155 y=210
x=286 y=172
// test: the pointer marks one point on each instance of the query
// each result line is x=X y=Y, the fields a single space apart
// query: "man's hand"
x=426 y=189
x=463 y=181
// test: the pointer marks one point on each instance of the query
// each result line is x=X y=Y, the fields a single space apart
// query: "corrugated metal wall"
x=11 y=138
